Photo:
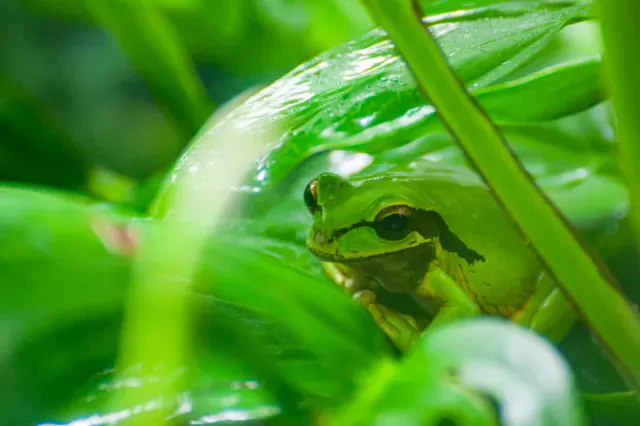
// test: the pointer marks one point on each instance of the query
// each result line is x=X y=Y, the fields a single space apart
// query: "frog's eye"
x=311 y=196
x=393 y=223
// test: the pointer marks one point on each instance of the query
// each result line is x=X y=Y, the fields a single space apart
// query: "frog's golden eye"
x=311 y=196
x=394 y=223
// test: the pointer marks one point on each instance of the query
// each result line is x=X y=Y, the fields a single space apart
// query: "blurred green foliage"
x=99 y=99
x=78 y=72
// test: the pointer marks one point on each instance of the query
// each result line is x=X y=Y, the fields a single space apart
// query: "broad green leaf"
x=66 y=265
x=42 y=373
x=158 y=55
x=443 y=6
x=230 y=375
x=61 y=289
x=34 y=147
x=457 y=372
x=53 y=247
x=518 y=103
x=532 y=98
x=284 y=293
x=361 y=91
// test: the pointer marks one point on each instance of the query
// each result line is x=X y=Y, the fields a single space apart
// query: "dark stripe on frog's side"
x=428 y=223
x=452 y=244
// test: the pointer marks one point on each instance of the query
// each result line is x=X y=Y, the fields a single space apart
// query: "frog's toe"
x=384 y=318
x=365 y=297
x=401 y=329
x=410 y=321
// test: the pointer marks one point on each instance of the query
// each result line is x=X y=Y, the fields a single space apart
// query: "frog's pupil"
x=309 y=198
x=393 y=227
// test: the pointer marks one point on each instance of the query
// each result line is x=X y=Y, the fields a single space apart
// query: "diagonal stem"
x=584 y=279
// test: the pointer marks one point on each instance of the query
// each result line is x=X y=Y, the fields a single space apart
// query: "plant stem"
x=580 y=274
x=620 y=31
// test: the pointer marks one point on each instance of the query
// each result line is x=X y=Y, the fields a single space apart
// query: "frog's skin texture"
x=438 y=236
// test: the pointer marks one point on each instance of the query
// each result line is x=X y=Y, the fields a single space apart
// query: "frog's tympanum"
x=437 y=236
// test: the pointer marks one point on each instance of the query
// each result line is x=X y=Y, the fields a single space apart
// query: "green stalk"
x=166 y=263
x=621 y=34
x=581 y=275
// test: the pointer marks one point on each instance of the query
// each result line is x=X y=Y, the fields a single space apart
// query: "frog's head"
x=370 y=224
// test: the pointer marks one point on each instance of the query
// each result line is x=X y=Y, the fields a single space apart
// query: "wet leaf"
x=231 y=376
x=360 y=93
x=459 y=373
x=443 y=6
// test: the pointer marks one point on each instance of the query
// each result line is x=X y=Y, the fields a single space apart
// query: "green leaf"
x=43 y=236
x=34 y=147
x=532 y=99
x=158 y=55
x=361 y=92
x=43 y=372
x=443 y=6
x=457 y=372
x=230 y=374
x=332 y=326
x=61 y=289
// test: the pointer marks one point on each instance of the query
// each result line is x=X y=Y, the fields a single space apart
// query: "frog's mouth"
x=326 y=256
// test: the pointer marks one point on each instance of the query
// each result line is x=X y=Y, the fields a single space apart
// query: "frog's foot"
x=401 y=329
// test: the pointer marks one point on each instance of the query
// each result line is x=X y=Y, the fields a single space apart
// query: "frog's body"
x=438 y=236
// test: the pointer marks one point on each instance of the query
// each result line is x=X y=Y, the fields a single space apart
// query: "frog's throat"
x=397 y=272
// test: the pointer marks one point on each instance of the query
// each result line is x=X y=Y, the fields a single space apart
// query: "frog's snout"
x=321 y=238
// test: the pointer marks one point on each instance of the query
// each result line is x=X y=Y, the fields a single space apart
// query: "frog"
x=438 y=236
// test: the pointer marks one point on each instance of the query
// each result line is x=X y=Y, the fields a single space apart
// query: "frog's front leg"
x=401 y=329
x=454 y=302
x=548 y=312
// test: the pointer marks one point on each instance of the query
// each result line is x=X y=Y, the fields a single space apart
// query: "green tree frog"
x=438 y=236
